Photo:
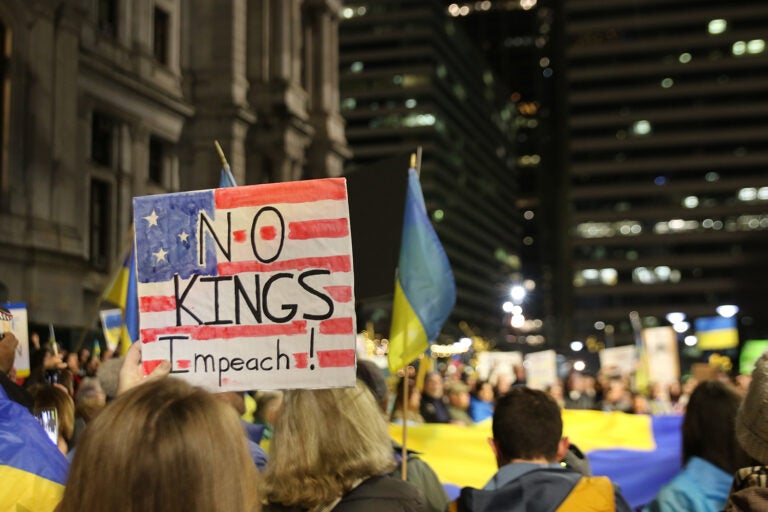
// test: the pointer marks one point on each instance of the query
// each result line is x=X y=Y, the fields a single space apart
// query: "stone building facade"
x=104 y=100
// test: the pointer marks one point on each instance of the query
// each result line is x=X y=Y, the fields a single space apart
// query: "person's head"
x=8 y=344
x=527 y=426
x=268 y=406
x=458 y=395
x=640 y=404
x=752 y=417
x=485 y=391
x=372 y=376
x=163 y=445
x=324 y=442
x=503 y=384
x=433 y=385
x=90 y=399
x=414 y=395
x=709 y=427
x=47 y=396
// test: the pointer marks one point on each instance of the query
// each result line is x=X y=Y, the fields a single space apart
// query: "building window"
x=99 y=223
x=107 y=17
x=162 y=22
x=102 y=130
x=156 y=160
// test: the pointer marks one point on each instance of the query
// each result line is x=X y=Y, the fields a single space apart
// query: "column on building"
x=215 y=70
x=277 y=148
x=329 y=148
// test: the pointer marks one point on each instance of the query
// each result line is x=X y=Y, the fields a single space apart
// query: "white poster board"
x=660 y=344
x=620 y=359
x=248 y=287
x=492 y=364
x=541 y=369
x=20 y=328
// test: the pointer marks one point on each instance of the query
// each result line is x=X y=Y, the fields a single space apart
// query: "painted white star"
x=160 y=255
x=152 y=219
x=183 y=236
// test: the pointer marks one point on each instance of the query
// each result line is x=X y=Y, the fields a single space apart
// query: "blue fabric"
x=699 y=487
x=258 y=455
x=480 y=410
x=640 y=487
x=25 y=445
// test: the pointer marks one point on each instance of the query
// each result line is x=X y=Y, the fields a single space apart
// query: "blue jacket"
x=699 y=487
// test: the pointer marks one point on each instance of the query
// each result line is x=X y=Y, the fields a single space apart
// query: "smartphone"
x=49 y=419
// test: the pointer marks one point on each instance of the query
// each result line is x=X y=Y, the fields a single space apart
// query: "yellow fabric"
x=407 y=339
x=462 y=456
x=718 y=339
x=591 y=494
x=24 y=491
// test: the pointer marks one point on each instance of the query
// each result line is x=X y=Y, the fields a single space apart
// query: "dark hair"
x=373 y=377
x=527 y=424
x=708 y=427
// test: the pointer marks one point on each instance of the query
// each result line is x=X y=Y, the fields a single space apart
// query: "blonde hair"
x=163 y=445
x=325 y=442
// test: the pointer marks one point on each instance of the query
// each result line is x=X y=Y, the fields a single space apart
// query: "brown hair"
x=163 y=445
x=527 y=424
x=51 y=396
x=325 y=441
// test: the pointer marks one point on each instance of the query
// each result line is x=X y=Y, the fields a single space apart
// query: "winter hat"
x=752 y=418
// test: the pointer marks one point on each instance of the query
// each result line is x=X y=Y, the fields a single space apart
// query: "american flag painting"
x=248 y=287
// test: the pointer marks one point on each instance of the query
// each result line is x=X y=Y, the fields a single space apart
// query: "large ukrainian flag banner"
x=639 y=453
x=424 y=290
x=123 y=293
x=32 y=470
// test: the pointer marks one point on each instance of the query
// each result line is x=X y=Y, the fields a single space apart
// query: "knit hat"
x=752 y=418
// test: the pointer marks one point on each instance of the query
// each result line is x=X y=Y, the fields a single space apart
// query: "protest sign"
x=621 y=360
x=541 y=369
x=660 y=345
x=20 y=327
x=112 y=326
x=248 y=287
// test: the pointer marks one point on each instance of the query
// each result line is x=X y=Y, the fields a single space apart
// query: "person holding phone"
x=8 y=345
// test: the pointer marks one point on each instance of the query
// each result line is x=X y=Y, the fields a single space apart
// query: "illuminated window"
x=717 y=26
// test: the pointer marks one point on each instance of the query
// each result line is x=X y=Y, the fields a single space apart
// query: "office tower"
x=410 y=77
x=666 y=112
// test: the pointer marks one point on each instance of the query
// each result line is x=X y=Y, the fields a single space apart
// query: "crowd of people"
x=153 y=442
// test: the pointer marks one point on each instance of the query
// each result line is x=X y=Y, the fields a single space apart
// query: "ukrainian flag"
x=637 y=452
x=424 y=290
x=32 y=470
x=123 y=293
x=716 y=333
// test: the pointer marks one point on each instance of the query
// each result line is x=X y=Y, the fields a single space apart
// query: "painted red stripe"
x=339 y=293
x=320 y=228
x=336 y=358
x=183 y=364
x=336 y=326
x=239 y=235
x=332 y=263
x=286 y=192
x=150 y=365
x=208 y=332
x=156 y=303
x=301 y=359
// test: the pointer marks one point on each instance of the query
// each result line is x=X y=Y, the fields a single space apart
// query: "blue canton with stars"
x=166 y=236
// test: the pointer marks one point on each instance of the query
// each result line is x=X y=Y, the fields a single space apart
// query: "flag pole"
x=224 y=163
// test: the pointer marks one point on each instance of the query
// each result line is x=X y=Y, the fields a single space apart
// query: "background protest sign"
x=19 y=325
x=111 y=326
x=248 y=287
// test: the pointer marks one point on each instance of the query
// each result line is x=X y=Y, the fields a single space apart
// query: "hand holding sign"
x=248 y=287
x=132 y=373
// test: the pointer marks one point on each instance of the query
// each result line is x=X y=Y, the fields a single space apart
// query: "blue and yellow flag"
x=425 y=292
x=716 y=333
x=122 y=292
x=32 y=470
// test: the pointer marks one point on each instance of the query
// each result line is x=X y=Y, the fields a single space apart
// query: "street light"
x=727 y=310
x=517 y=293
